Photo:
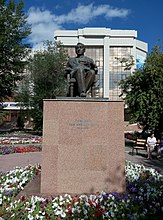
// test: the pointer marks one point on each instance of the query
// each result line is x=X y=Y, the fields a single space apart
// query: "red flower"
x=98 y=213
x=22 y=212
x=97 y=206
x=1 y=213
x=74 y=200
x=90 y=203
x=70 y=211
x=22 y=198
x=46 y=215
x=39 y=167
x=26 y=149
x=69 y=206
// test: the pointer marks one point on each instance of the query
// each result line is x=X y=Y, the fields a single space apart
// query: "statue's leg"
x=89 y=80
x=80 y=78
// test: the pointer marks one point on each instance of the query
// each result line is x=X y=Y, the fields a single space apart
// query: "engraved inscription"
x=83 y=124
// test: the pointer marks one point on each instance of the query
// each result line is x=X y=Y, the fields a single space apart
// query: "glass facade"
x=97 y=54
x=117 y=70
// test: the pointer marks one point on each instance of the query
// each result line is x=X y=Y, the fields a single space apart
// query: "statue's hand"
x=96 y=70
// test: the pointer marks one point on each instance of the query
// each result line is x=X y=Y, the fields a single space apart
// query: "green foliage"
x=46 y=79
x=144 y=92
x=23 y=93
x=14 y=29
x=3 y=115
x=20 y=122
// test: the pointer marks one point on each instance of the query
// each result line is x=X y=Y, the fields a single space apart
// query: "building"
x=110 y=49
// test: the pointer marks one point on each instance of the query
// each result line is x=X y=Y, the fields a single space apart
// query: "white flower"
x=63 y=215
x=58 y=212
x=61 y=203
x=30 y=217
x=55 y=205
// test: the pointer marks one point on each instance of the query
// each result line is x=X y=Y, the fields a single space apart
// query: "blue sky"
x=145 y=16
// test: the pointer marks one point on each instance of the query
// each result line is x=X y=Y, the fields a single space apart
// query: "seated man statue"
x=83 y=69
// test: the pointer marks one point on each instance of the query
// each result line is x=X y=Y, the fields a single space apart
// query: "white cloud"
x=85 y=13
x=44 y=22
x=82 y=15
x=43 y=26
x=110 y=12
x=37 y=15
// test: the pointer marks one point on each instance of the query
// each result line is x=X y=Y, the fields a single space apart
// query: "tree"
x=144 y=92
x=46 y=79
x=24 y=99
x=13 y=49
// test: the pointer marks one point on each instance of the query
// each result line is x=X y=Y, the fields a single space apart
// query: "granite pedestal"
x=83 y=146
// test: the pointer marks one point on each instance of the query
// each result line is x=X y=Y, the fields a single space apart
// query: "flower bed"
x=23 y=149
x=6 y=150
x=144 y=200
x=12 y=182
x=27 y=149
x=20 y=140
x=10 y=145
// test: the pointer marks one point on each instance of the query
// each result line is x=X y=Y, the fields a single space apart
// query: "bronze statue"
x=83 y=70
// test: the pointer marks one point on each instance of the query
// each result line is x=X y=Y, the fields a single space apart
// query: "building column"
x=133 y=53
x=106 y=66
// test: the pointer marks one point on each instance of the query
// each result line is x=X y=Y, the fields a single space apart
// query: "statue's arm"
x=71 y=67
x=73 y=63
x=93 y=66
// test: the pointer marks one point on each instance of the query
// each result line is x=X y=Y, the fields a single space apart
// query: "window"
x=117 y=70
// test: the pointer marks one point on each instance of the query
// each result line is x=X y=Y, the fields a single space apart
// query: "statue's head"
x=80 y=49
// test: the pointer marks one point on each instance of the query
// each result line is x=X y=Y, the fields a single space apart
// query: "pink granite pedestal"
x=83 y=146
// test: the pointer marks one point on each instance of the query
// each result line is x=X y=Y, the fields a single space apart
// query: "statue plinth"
x=83 y=146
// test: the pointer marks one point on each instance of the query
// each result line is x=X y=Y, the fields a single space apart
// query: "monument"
x=81 y=70
x=83 y=138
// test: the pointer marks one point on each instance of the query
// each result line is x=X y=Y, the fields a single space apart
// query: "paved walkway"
x=141 y=158
x=8 y=162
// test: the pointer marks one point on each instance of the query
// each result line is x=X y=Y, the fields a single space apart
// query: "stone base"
x=83 y=146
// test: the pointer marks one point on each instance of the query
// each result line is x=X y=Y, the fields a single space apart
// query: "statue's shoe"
x=83 y=94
